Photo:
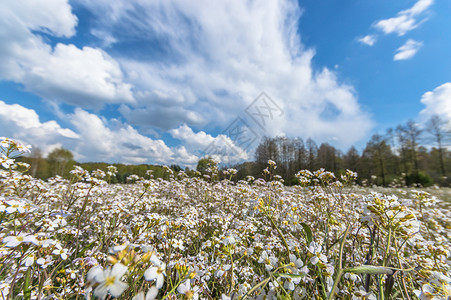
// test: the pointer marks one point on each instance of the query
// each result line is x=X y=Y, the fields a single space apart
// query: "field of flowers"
x=200 y=238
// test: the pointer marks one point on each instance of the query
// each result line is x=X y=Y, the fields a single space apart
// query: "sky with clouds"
x=168 y=81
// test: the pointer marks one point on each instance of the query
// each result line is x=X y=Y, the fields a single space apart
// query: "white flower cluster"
x=192 y=238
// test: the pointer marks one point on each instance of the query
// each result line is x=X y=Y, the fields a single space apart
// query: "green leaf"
x=369 y=269
x=26 y=285
x=308 y=233
x=82 y=252
x=256 y=287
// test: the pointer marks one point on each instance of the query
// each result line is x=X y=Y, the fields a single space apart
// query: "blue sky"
x=166 y=81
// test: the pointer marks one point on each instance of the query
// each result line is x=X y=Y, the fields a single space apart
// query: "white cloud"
x=87 y=77
x=369 y=39
x=93 y=138
x=50 y=16
x=212 y=60
x=405 y=20
x=23 y=124
x=185 y=133
x=163 y=117
x=221 y=147
x=216 y=57
x=184 y=158
x=79 y=76
x=114 y=141
x=437 y=102
x=408 y=50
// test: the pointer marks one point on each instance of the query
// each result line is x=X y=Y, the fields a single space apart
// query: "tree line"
x=61 y=161
x=406 y=155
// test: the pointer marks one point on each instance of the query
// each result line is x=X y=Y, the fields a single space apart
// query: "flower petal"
x=117 y=288
x=152 y=293
x=119 y=270
x=150 y=273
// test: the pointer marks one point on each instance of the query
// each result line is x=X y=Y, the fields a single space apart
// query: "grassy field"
x=198 y=238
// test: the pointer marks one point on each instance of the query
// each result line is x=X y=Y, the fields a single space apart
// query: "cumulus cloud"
x=369 y=39
x=23 y=124
x=92 y=139
x=104 y=144
x=87 y=76
x=50 y=16
x=84 y=77
x=220 y=147
x=183 y=157
x=114 y=141
x=405 y=20
x=162 y=117
x=437 y=102
x=214 y=58
x=408 y=50
x=199 y=63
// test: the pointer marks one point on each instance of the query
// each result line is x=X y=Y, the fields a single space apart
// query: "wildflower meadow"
x=203 y=238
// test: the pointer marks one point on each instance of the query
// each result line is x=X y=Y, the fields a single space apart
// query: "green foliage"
x=176 y=168
x=204 y=165
x=419 y=178
x=385 y=161
x=61 y=161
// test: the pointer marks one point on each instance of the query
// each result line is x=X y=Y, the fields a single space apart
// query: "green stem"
x=384 y=262
x=340 y=265
x=231 y=270
x=387 y=249
x=381 y=289
x=278 y=230
x=173 y=289
x=334 y=287
x=261 y=284
x=403 y=283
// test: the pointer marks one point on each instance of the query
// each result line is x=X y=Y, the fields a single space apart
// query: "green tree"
x=204 y=164
x=378 y=152
x=61 y=162
x=352 y=159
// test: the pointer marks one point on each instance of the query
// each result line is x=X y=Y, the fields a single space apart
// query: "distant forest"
x=407 y=155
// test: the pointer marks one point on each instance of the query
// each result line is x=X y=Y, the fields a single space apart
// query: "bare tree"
x=265 y=151
x=436 y=128
x=312 y=152
x=286 y=155
x=390 y=138
x=300 y=155
x=352 y=159
x=327 y=157
x=379 y=152
x=409 y=136
x=36 y=158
